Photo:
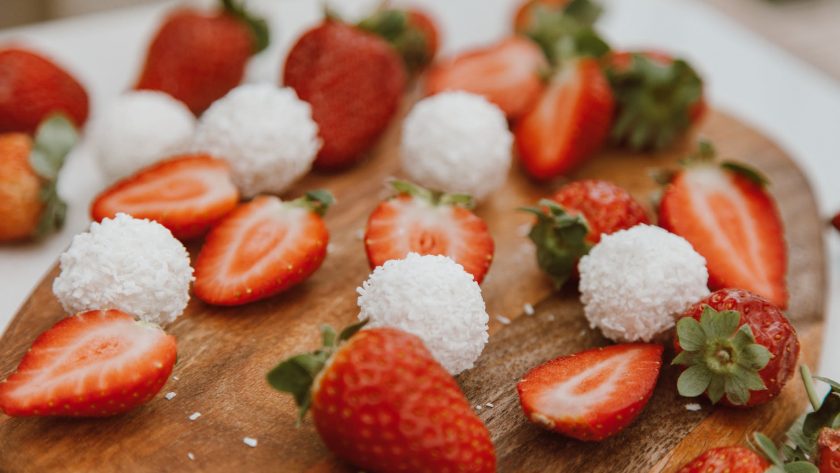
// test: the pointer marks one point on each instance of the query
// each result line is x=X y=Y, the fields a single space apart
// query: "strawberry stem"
x=560 y=239
x=434 y=197
x=317 y=201
x=256 y=25
x=808 y=381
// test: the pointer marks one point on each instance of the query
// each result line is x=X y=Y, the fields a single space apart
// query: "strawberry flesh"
x=726 y=460
x=828 y=450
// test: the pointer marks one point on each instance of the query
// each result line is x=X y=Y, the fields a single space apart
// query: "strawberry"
x=573 y=221
x=507 y=73
x=725 y=460
x=186 y=194
x=94 y=364
x=728 y=216
x=354 y=82
x=736 y=347
x=262 y=248
x=29 y=203
x=428 y=223
x=528 y=13
x=33 y=87
x=562 y=28
x=657 y=98
x=569 y=123
x=413 y=33
x=381 y=402
x=197 y=56
x=593 y=394
x=828 y=453
x=835 y=221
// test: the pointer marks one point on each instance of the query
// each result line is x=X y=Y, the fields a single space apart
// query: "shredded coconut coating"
x=129 y=264
x=265 y=133
x=457 y=142
x=635 y=281
x=139 y=129
x=433 y=298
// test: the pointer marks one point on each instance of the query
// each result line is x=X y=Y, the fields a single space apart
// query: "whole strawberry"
x=413 y=33
x=197 y=57
x=575 y=218
x=33 y=87
x=828 y=450
x=354 y=82
x=726 y=460
x=736 y=347
x=381 y=402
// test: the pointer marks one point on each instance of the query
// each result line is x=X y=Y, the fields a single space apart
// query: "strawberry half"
x=186 y=194
x=508 y=74
x=94 y=364
x=569 y=123
x=381 y=402
x=726 y=213
x=725 y=460
x=262 y=248
x=593 y=394
x=413 y=33
x=428 y=223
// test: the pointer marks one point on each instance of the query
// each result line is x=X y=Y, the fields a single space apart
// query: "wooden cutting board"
x=223 y=354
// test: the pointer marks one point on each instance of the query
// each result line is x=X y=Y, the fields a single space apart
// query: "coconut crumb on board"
x=528 y=309
x=195 y=415
x=693 y=407
x=191 y=456
x=170 y=395
x=249 y=441
x=503 y=320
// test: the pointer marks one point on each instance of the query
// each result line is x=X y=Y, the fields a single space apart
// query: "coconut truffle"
x=265 y=133
x=433 y=298
x=635 y=281
x=457 y=142
x=129 y=264
x=139 y=129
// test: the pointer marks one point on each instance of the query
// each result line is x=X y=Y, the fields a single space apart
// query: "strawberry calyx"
x=54 y=139
x=566 y=32
x=318 y=201
x=433 y=197
x=258 y=26
x=762 y=445
x=560 y=238
x=297 y=374
x=803 y=436
x=706 y=154
x=721 y=357
x=395 y=27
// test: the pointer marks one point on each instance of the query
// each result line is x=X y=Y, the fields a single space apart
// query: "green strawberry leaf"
x=750 y=173
x=560 y=239
x=395 y=28
x=691 y=335
x=351 y=330
x=256 y=25
x=434 y=197
x=318 y=201
x=694 y=381
x=567 y=33
x=53 y=141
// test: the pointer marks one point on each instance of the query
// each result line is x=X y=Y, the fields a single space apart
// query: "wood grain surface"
x=223 y=354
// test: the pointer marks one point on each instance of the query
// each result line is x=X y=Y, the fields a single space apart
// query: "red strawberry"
x=737 y=348
x=828 y=450
x=429 y=223
x=381 y=402
x=726 y=460
x=728 y=216
x=593 y=394
x=835 y=221
x=413 y=33
x=574 y=220
x=33 y=87
x=96 y=363
x=528 y=12
x=507 y=73
x=262 y=248
x=186 y=194
x=354 y=82
x=569 y=123
x=197 y=56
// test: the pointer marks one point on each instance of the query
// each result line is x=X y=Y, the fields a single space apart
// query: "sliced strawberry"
x=729 y=218
x=96 y=363
x=593 y=394
x=569 y=123
x=725 y=460
x=262 y=248
x=186 y=194
x=507 y=74
x=429 y=223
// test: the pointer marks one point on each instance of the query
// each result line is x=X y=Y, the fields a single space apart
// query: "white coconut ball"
x=139 y=129
x=634 y=282
x=431 y=297
x=133 y=265
x=457 y=142
x=265 y=133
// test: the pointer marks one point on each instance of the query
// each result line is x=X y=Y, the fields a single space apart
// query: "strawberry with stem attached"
x=412 y=32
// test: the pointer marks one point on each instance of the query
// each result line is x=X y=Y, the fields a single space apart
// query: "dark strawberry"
x=354 y=82
x=593 y=394
x=726 y=213
x=33 y=87
x=428 y=223
x=736 y=347
x=413 y=33
x=197 y=56
x=262 y=248
x=381 y=402
x=726 y=460
x=186 y=194
x=96 y=363
x=508 y=73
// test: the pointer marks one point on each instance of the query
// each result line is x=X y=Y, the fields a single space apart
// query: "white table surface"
x=784 y=97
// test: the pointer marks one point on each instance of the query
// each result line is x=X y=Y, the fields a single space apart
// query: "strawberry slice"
x=726 y=214
x=186 y=194
x=428 y=223
x=593 y=394
x=507 y=74
x=262 y=248
x=569 y=123
x=94 y=364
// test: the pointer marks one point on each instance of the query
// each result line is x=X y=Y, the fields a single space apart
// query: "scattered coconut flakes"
x=490 y=405
x=251 y=442
x=693 y=407
x=175 y=378
x=360 y=234
x=191 y=456
x=503 y=320
x=528 y=309
x=195 y=415
x=478 y=407
x=169 y=395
